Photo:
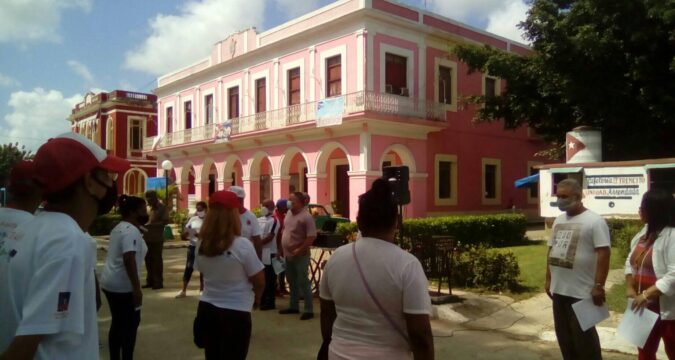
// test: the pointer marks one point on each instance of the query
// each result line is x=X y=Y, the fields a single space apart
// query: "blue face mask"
x=289 y=204
x=565 y=204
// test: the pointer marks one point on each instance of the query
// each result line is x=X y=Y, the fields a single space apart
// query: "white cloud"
x=35 y=20
x=37 y=115
x=179 y=40
x=125 y=84
x=505 y=22
x=83 y=71
x=496 y=16
x=8 y=81
x=296 y=8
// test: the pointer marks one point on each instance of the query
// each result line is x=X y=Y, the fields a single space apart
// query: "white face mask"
x=289 y=204
x=265 y=211
x=201 y=214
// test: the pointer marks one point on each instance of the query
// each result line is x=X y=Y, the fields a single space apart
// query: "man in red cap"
x=47 y=302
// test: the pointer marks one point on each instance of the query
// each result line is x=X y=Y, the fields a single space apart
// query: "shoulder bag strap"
x=372 y=296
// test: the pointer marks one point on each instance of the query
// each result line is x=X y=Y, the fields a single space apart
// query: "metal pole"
x=166 y=187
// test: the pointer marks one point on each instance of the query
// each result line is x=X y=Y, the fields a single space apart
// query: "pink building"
x=119 y=121
x=322 y=103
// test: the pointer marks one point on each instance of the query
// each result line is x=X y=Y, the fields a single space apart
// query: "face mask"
x=143 y=219
x=565 y=204
x=201 y=214
x=106 y=203
x=265 y=211
x=289 y=204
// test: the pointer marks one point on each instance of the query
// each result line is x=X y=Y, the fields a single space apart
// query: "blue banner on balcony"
x=155 y=183
x=222 y=132
x=329 y=111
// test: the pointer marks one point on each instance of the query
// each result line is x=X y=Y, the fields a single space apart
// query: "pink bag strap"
x=372 y=296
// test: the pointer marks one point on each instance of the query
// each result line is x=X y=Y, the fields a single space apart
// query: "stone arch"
x=206 y=169
x=253 y=168
x=133 y=181
x=324 y=155
x=407 y=158
x=230 y=161
x=287 y=159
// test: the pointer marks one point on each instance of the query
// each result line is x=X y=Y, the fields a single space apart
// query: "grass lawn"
x=532 y=261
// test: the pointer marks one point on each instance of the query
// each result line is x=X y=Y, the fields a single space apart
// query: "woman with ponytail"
x=650 y=270
x=120 y=277
x=374 y=298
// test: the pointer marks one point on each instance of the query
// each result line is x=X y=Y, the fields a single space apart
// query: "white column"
x=312 y=73
x=360 y=60
x=365 y=151
x=277 y=87
x=422 y=60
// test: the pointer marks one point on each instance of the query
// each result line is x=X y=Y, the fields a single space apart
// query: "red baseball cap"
x=66 y=158
x=21 y=177
x=225 y=198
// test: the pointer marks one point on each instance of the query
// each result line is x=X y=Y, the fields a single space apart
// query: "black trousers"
x=124 y=324
x=189 y=264
x=154 y=264
x=268 y=300
x=227 y=333
x=575 y=344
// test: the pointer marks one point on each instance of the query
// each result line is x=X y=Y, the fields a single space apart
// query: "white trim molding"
x=438 y=62
x=410 y=59
x=452 y=200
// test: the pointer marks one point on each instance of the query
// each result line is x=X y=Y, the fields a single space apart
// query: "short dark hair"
x=202 y=204
x=129 y=204
x=151 y=194
x=300 y=196
x=377 y=209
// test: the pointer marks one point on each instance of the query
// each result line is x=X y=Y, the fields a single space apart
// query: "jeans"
x=123 y=326
x=296 y=274
x=227 y=333
x=189 y=264
x=268 y=296
x=575 y=344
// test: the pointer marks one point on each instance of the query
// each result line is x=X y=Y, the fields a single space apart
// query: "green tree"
x=9 y=155
x=609 y=64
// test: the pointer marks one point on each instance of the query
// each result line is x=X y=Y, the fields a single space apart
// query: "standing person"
x=298 y=237
x=270 y=228
x=353 y=324
x=154 y=238
x=280 y=215
x=23 y=198
x=578 y=263
x=250 y=228
x=233 y=280
x=650 y=270
x=191 y=232
x=47 y=302
x=120 y=277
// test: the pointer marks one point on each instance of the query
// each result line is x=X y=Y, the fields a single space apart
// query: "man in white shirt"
x=270 y=228
x=250 y=228
x=47 y=302
x=578 y=263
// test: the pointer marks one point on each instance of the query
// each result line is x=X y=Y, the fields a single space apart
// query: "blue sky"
x=53 y=51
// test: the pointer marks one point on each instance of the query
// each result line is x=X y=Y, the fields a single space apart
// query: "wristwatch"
x=599 y=285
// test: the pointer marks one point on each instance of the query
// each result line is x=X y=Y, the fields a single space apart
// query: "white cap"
x=239 y=191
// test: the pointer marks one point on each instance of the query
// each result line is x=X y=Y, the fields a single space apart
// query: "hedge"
x=102 y=225
x=491 y=230
x=622 y=232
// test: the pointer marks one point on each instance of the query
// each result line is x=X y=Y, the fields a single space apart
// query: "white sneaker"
x=181 y=294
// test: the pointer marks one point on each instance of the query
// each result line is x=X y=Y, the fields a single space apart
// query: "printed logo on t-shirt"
x=64 y=301
x=564 y=247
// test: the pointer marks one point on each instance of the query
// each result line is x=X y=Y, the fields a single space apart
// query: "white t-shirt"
x=249 y=225
x=124 y=238
x=572 y=258
x=192 y=227
x=397 y=281
x=48 y=288
x=226 y=276
x=269 y=224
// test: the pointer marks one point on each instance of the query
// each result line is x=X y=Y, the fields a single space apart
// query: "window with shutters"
x=445 y=180
x=135 y=134
x=395 y=74
x=260 y=95
x=334 y=76
x=169 y=119
x=294 y=86
x=444 y=85
x=233 y=102
x=187 y=114
x=208 y=109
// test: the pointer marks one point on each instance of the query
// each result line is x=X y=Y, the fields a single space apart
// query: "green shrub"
x=622 y=232
x=179 y=217
x=102 y=225
x=477 y=266
x=348 y=229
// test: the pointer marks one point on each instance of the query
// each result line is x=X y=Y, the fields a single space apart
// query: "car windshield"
x=318 y=211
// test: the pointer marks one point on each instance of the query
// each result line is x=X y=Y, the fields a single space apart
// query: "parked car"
x=323 y=219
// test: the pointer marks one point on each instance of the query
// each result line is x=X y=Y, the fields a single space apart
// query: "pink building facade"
x=322 y=103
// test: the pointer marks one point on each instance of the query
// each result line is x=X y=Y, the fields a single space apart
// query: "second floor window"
x=169 y=119
x=233 y=102
x=208 y=110
x=334 y=76
x=490 y=87
x=294 y=86
x=260 y=95
x=445 y=85
x=187 y=115
x=136 y=135
x=395 y=75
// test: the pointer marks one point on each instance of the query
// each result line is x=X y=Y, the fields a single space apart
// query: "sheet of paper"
x=635 y=327
x=279 y=265
x=266 y=256
x=588 y=314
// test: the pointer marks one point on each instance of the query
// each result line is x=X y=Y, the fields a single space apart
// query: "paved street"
x=166 y=330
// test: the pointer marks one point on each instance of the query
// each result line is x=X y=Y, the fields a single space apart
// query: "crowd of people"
x=373 y=295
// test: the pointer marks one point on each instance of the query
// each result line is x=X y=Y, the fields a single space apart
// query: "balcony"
x=358 y=102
